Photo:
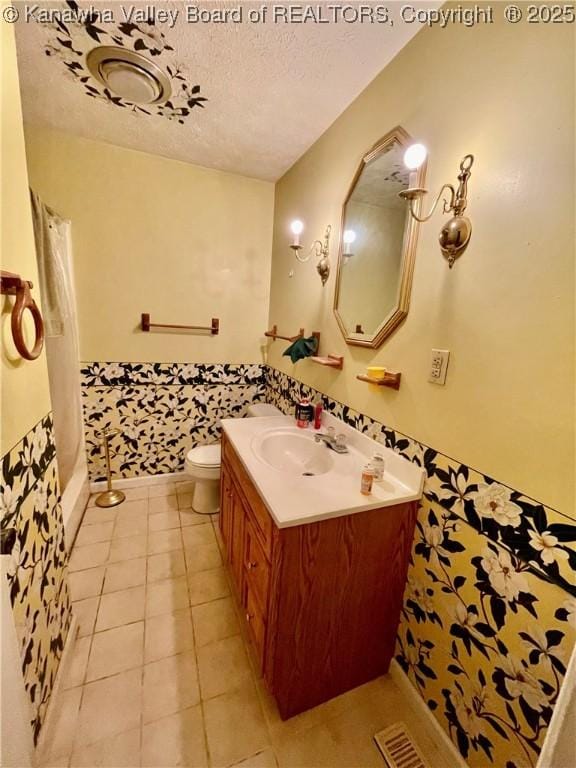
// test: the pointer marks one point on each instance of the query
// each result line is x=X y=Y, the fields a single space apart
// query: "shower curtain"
x=53 y=252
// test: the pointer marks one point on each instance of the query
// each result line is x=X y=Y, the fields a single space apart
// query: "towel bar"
x=214 y=328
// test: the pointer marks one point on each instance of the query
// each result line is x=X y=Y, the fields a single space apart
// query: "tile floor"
x=161 y=674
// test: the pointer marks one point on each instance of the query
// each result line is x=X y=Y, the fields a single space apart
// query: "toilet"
x=202 y=464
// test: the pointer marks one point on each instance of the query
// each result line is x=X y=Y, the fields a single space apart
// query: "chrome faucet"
x=335 y=443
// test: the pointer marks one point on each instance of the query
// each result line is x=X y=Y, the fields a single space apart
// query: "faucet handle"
x=341 y=440
x=330 y=432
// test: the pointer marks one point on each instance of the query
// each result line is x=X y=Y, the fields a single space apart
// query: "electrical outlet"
x=438 y=366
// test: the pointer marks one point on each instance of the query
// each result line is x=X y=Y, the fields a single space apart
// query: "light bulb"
x=415 y=156
x=297 y=226
x=348 y=237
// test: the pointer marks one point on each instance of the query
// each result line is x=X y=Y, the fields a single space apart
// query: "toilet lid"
x=205 y=455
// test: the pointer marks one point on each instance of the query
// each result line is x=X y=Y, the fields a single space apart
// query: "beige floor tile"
x=127 y=549
x=167 y=635
x=85 y=611
x=313 y=747
x=167 y=565
x=353 y=734
x=205 y=586
x=189 y=517
x=120 y=608
x=185 y=499
x=265 y=759
x=116 y=650
x=176 y=740
x=94 y=533
x=198 y=535
x=164 y=541
x=170 y=685
x=110 y=706
x=52 y=761
x=131 y=573
x=202 y=557
x=89 y=556
x=161 y=489
x=162 y=521
x=166 y=596
x=214 y=621
x=136 y=493
x=86 y=583
x=94 y=515
x=223 y=666
x=163 y=504
x=133 y=507
x=75 y=671
x=61 y=737
x=120 y=751
x=130 y=525
x=235 y=726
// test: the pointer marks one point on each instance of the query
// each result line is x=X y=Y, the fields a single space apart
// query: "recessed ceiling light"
x=129 y=75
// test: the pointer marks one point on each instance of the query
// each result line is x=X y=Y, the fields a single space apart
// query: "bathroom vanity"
x=318 y=568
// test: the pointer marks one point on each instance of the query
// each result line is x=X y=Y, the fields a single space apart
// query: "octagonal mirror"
x=377 y=245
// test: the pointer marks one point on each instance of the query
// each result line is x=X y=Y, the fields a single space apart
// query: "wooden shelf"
x=391 y=380
x=331 y=361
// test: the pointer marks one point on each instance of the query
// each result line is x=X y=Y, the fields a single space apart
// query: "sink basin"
x=293 y=453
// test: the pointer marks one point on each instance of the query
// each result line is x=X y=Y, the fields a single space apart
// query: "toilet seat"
x=205 y=455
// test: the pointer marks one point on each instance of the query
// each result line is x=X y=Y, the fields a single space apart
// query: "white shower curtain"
x=53 y=251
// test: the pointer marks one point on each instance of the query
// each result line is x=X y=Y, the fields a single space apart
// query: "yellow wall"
x=25 y=394
x=181 y=242
x=506 y=94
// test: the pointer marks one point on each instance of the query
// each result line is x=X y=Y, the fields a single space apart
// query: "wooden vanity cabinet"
x=321 y=600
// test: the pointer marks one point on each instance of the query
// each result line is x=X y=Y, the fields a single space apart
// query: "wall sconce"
x=348 y=238
x=455 y=234
x=321 y=250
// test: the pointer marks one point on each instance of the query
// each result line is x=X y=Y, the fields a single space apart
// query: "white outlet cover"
x=438 y=366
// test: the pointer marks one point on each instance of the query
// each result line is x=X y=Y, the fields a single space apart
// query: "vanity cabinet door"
x=226 y=509
x=236 y=552
x=256 y=623
x=257 y=570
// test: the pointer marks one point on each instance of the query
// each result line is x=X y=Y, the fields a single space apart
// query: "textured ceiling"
x=271 y=89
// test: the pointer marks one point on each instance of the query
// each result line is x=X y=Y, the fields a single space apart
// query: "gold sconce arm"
x=321 y=250
x=417 y=193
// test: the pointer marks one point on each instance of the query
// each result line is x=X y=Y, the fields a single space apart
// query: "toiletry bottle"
x=303 y=414
x=378 y=466
x=318 y=415
x=367 y=480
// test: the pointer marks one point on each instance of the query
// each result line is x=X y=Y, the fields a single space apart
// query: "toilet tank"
x=263 y=409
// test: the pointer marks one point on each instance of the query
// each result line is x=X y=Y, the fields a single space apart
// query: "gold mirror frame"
x=398 y=315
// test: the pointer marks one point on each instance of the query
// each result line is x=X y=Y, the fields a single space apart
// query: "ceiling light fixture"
x=129 y=75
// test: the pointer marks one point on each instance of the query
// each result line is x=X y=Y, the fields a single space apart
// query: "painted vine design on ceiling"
x=71 y=42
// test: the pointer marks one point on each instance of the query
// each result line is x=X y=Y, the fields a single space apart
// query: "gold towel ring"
x=13 y=285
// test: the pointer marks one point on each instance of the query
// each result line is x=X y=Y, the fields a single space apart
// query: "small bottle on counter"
x=378 y=466
x=367 y=480
x=304 y=413
x=318 y=407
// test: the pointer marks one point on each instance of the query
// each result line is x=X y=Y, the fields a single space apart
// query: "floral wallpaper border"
x=489 y=618
x=37 y=575
x=162 y=410
x=538 y=535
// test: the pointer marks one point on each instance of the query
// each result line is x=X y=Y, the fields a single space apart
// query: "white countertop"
x=295 y=500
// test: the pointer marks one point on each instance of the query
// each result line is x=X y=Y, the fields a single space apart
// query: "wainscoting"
x=162 y=410
x=38 y=574
x=489 y=617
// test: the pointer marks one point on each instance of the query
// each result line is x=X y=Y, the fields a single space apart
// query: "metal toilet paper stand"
x=109 y=497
